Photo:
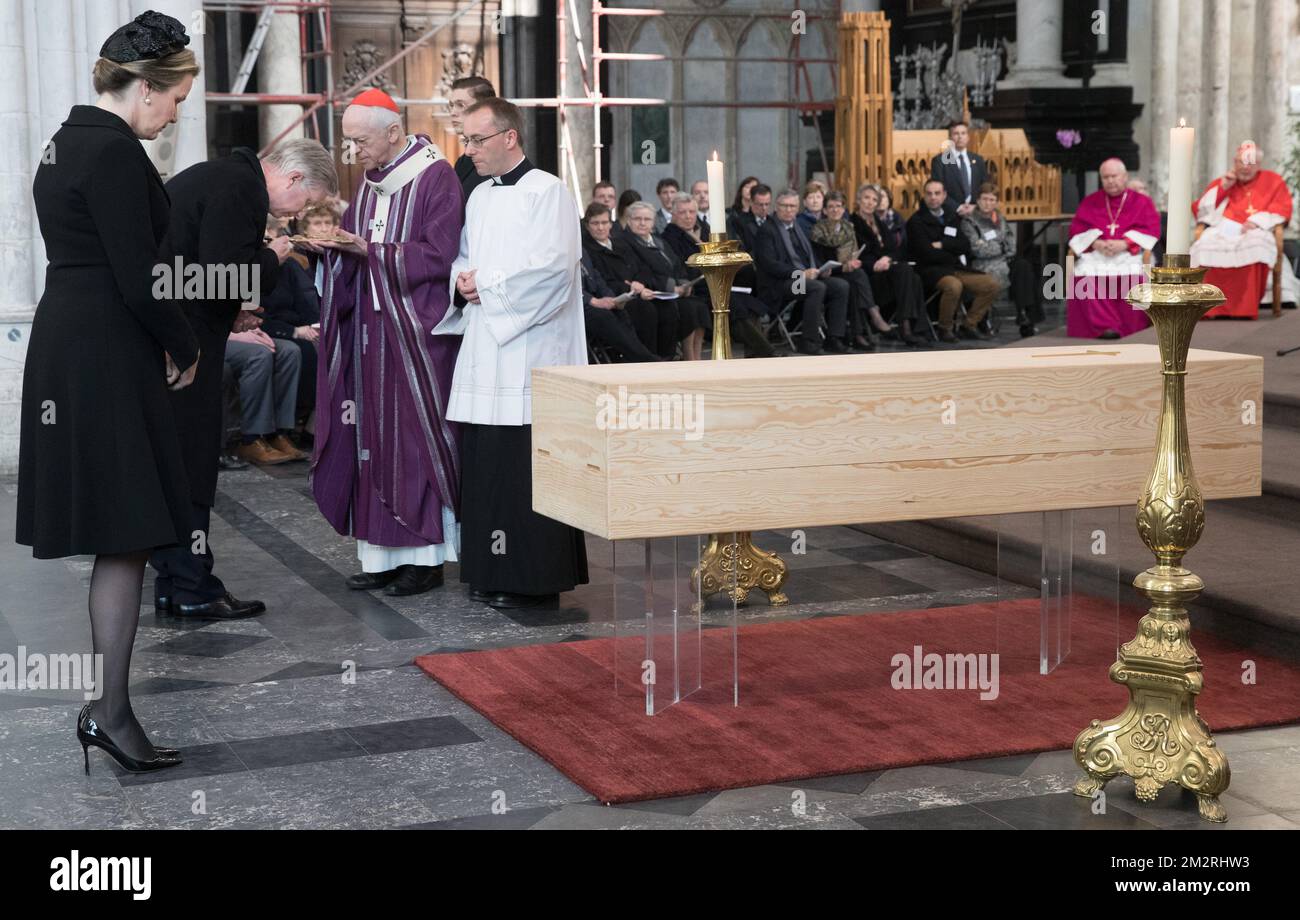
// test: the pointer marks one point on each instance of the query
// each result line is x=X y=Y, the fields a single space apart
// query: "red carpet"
x=816 y=699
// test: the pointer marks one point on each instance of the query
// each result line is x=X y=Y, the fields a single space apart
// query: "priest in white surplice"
x=517 y=293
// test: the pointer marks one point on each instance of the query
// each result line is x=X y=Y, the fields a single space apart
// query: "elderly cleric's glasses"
x=477 y=141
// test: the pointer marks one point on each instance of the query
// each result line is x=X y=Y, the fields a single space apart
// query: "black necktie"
x=799 y=246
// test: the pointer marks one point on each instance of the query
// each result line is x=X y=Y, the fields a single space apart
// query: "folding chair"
x=781 y=323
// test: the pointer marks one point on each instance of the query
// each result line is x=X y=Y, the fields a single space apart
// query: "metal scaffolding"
x=567 y=22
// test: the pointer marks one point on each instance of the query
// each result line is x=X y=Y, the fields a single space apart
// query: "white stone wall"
x=47 y=51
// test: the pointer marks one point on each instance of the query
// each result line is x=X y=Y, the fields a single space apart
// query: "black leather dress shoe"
x=481 y=596
x=806 y=348
x=505 y=600
x=415 y=579
x=162 y=603
x=369 y=581
x=227 y=607
x=835 y=346
x=947 y=337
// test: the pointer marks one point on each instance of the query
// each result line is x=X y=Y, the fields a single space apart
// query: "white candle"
x=717 y=196
x=1180 y=188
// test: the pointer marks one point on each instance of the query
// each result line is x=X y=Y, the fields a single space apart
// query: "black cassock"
x=544 y=556
x=218 y=218
x=99 y=468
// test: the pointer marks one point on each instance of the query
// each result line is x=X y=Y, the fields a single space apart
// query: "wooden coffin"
x=758 y=444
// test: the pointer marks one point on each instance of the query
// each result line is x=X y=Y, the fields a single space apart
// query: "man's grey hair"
x=380 y=118
x=304 y=155
x=682 y=198
x=638 y=206
x=788 y=193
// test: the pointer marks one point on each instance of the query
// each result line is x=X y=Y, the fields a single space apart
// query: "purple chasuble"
x=386 y=459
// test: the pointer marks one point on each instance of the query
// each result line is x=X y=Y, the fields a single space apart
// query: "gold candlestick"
x=1160 y=738
x=731 y=554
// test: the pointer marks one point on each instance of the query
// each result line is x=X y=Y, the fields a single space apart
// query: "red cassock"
x=1238 y=245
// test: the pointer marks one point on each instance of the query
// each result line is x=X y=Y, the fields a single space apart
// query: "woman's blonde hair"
x=160 y=73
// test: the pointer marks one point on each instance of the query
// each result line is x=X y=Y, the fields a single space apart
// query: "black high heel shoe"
x=89 y=732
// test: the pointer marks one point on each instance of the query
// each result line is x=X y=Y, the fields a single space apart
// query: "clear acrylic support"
x=660 y=624
x=1071 y=558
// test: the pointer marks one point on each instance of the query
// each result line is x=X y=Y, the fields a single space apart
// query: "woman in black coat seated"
x=668 y=273
x=100 y=467
x=893 y=281
x=655 y=321
x=681 y=237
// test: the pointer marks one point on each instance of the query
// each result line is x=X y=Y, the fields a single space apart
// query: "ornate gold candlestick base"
x=1160 y=738
x=732 y=558
x=727 y=554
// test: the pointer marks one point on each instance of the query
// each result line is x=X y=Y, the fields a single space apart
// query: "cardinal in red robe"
x=1238 y=213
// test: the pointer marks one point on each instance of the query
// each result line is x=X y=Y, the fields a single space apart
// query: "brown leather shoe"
x=285 y=446
x=261 y=453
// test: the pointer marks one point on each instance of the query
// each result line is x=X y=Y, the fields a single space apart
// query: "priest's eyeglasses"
x=477 y=141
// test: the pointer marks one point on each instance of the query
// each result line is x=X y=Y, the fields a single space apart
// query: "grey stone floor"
x=275 y=738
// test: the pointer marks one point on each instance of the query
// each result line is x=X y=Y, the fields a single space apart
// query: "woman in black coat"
x=100 y=470
x=744 y=309
x=655 y=321
x=669 y=273
x=893 y=281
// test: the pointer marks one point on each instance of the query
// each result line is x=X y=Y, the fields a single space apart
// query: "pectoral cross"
x=1250 y=208
x=1112 y=227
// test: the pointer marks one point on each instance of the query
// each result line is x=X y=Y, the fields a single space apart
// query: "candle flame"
x=1182 y=122
x=715 y=156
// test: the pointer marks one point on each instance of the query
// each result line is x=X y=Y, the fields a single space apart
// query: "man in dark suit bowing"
x=215 y=243
x=961 y=172
x=463 y=93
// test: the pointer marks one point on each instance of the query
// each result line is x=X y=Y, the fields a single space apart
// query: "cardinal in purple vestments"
x=386 y=466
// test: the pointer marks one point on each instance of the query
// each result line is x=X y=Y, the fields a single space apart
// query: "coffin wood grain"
x=846 y=439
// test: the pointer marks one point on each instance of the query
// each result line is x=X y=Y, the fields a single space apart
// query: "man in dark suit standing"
x=463 y=93
x=942 y=254
x=961 y=172
x=216 y=231
x=783 y=255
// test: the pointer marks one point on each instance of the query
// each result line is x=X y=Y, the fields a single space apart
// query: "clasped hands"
x=176 y=380
x=1111 y=247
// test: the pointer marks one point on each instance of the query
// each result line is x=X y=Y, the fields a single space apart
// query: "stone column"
x=1038 y=46
x=1275 y=25
x=1241 y=74
x=1191 y=52
x=1216 y=98
x=279 y=70
x=1164 y=95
